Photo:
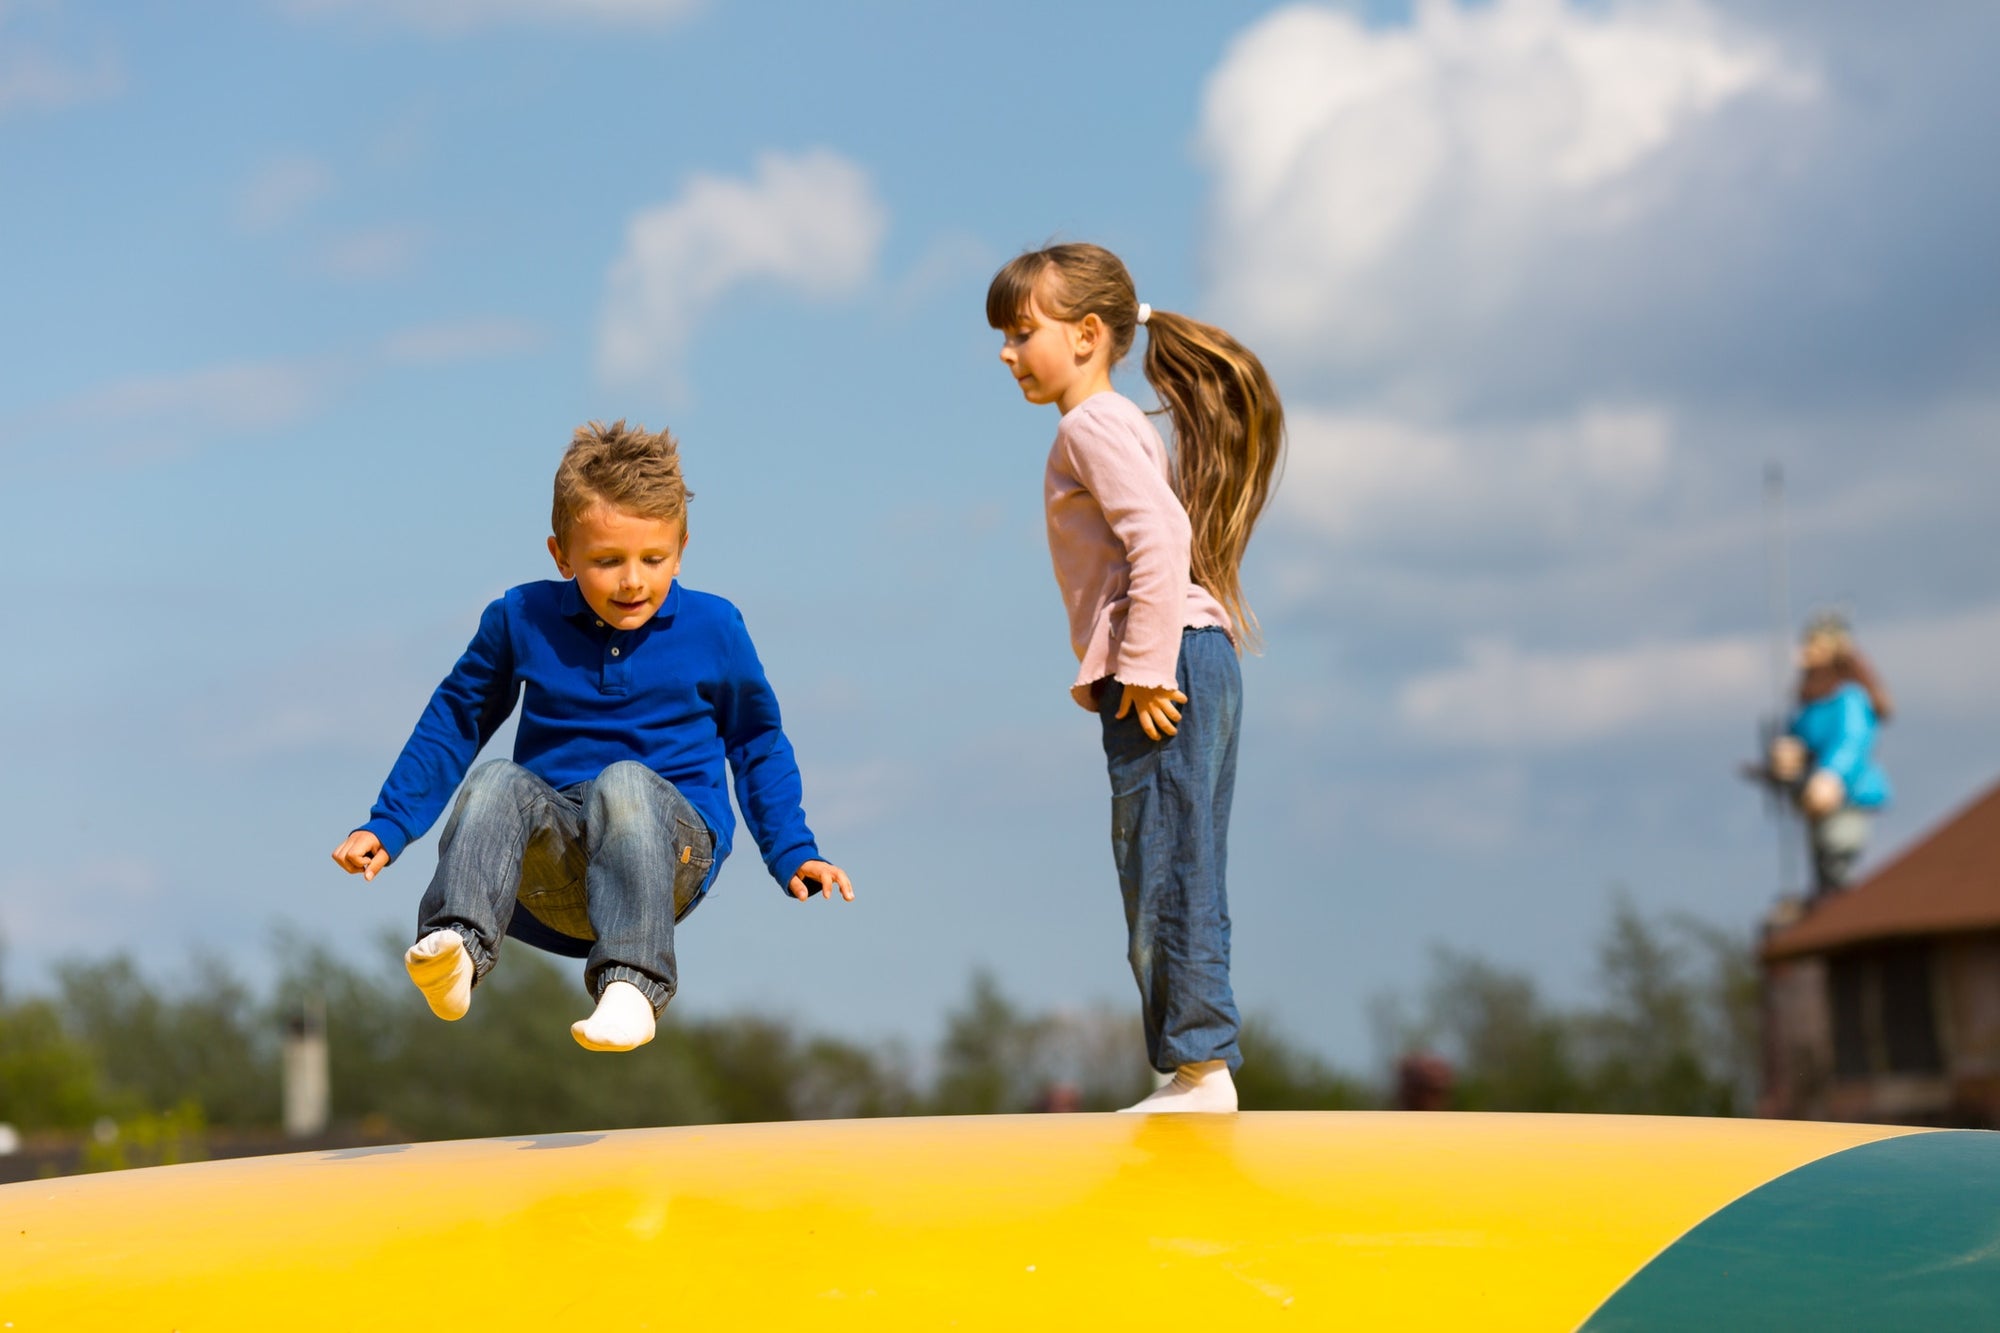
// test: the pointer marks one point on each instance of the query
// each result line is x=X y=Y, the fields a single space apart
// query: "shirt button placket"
x=614 y=663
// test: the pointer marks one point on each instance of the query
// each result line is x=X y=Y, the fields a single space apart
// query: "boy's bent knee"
x=626 y=791
x=627 y=773
x=500 y=777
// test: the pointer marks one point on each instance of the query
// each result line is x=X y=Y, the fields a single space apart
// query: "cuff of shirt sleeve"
x=1143 y=679
x=392 y=838
x=791 y=862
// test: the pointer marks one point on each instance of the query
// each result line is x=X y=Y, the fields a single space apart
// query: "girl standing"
x=1146 y=550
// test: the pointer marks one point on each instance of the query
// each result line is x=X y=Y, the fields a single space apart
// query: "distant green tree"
x=1648 y=1045
x=209 y=1042
x=1511 y=1052
x=995 y=1058
x=48 y=1079
x=147 y=1138
x=757 y=1068
x=987 y=1063
x=511 y=1067
x=1278 y=1074
x=1672 y=1030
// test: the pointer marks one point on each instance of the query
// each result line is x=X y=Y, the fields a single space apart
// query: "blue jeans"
x=1170 y=835
x=617 y=860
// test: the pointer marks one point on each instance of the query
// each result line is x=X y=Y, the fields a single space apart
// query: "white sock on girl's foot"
x=442 y=969
x=624 y=1019
x=1198 y=1087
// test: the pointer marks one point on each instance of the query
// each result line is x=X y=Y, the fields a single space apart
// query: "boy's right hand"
x=361 y=855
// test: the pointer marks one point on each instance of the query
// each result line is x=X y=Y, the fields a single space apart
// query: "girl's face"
x=1054 y=360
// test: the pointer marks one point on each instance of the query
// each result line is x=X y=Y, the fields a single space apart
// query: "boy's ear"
x=562 y=565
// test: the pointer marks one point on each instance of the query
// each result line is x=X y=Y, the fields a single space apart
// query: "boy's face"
x=623 y=564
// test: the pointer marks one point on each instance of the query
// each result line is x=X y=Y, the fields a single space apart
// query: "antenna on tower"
x=1777 y=554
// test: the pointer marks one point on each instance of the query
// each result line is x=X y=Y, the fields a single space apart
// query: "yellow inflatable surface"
x=1321 y=1220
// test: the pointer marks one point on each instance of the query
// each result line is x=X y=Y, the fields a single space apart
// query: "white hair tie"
x=1145 y=312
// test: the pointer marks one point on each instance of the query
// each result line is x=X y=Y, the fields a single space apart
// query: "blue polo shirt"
x=682 y=694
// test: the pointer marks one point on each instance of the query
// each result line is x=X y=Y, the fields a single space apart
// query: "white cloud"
x=455 y=16
x=1358 y=477
x=377 y=252
x=1506 y=698
x=144 y=418
x=460 y=341
x=1376 y=185
x=281 y=192
x=244 y=396
x=1501 y=697
x=810 y=223
x=33 y=79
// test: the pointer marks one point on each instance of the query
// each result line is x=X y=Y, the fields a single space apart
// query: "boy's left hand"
x=830 y=877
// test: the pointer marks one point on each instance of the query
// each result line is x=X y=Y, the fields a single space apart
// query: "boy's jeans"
x=1169 y=835
x=616 y=860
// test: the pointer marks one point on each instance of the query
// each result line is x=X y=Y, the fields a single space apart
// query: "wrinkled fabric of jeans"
x=616 y=861
x=1170 y=804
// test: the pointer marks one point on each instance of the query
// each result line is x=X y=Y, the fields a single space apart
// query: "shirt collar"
x=575 y=608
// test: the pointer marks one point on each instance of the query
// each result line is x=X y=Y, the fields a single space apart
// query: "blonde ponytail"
x=1229 y=436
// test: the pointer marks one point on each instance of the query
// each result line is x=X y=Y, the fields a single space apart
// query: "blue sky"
x=302 y=300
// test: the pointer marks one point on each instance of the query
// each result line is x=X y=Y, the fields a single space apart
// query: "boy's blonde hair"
x=629 y=467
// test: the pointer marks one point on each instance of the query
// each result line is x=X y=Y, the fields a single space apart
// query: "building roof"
x=1945 y=882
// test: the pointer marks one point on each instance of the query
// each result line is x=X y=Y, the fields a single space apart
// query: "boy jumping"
x=611 y=820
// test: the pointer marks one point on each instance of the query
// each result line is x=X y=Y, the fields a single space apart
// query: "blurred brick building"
x=1883 y=1003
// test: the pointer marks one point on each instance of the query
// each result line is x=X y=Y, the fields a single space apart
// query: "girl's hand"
x=361 y=855
x=1155 y=706
x=830 y=877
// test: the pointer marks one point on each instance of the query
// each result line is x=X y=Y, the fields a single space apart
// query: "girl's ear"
x=1088 y=334
x=562 y=565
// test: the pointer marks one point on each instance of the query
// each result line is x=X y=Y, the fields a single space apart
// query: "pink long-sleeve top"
x=1119 y=540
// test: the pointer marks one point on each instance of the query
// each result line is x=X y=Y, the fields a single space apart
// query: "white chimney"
x=307 y=1092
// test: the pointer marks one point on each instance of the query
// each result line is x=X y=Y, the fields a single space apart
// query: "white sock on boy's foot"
x=1198 y=1087
x=624 y=1019
x=442 y=969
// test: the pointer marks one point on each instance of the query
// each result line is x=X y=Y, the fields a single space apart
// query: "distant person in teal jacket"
x=1826 y=757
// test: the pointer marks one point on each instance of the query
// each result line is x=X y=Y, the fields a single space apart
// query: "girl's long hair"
x=1229 y=427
